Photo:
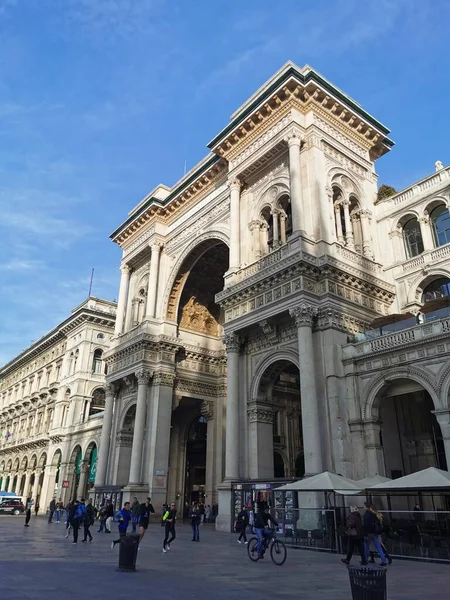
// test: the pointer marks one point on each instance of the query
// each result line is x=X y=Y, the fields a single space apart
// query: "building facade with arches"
x=243 y=291
x=52 y=398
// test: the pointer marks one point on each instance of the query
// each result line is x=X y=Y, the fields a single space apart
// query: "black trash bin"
x=128 y=549
x=368 y=583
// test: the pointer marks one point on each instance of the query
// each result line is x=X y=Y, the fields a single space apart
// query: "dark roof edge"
x=204 y=166
x=311 y=75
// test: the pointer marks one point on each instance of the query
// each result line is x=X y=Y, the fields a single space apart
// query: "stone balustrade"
x=427 y=258
x=398 y=339
x=419 y=188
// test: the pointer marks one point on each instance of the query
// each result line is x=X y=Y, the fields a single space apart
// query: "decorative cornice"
x=161 y=378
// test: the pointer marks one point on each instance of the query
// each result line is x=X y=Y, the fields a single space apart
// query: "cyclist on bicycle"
x=262 y=519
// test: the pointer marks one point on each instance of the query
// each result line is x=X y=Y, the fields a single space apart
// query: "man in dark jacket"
x=146 y=509
x=371 y=531
x=52 y=509
x=262 y=519
x=195 y=516
x=88 y=521
x=242 y=524
x=355 y=536
x=135 y=509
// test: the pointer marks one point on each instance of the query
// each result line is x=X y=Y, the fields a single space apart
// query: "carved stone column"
x=443 y=418
x=26 y=487
x=427 y=235
x=298 y=219
x=81 y=490
x=365 y=216
x=207 y=410
x=398 y=245
x=235 y=237
x=304 y=316
x=283 y=218
x=276 y=229
x=231 y=341
x=339 y=230
x=123 y=298
x=153 y=281
x=139 y=428
x=374 y=451
x=264 y=238
x=260 y=439
x=103 y=454
x=255 y=227
x=349 y=241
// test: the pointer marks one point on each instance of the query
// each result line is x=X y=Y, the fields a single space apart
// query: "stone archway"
x=124 y=445
x=274 y=420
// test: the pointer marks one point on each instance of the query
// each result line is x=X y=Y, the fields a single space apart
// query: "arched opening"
x=412 y=236
x=275 y=422
x=91 y=459
x=267 y=217
x=438 y=288
x=76 y=459
x=197 y=309
x=97 y=362
x=284 y=203
x=355 y=218
x=440 y=219
x=22 y=491
x=195 y=474
x=278 y=465
x=339 y=217
x=410 y=437
x=97 y=403
x=124 y=444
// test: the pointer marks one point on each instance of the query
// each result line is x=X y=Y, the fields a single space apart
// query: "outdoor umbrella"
x=389 y=319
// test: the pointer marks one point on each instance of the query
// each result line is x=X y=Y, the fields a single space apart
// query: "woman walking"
x=242 y=524
x=169 y=519
x=355 y=536
x=384 y=528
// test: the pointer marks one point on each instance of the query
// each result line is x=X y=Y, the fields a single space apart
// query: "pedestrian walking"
x=195 y=517
x=355 y=536
x=384 y=530
x=135 y=509
x=51 y=510
x=102 y=517
x=242 y=522
x=169 y=520
x=109 y=514
x=76 y=518
x=88 y=521
x=36 y=508
x=69 y=516
x=28 y=505
x=124 y=516
x=146 y=509
x=208 y=514
x=372 y=530
x=59 y=507
x=214 y=511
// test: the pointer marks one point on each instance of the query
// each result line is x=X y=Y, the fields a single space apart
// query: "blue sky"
x=100 y=100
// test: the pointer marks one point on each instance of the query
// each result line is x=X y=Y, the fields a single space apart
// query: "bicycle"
x=278 y=552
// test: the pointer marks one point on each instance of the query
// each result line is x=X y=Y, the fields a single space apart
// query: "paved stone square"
x=39 y=563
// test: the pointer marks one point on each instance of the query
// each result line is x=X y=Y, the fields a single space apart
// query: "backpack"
x=80 y=512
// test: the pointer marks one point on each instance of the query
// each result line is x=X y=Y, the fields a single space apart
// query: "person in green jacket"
x=169 y=519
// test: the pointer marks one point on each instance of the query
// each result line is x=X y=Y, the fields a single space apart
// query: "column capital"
x=275 y=212
x=111 y=389
x=143 y=377
x=235 y=184
x=254 y=225
x=125 y=268
x=345 y=202
x=207 y=409
x=260 y=414
x=156 y=246
x=304 y=315
x=293 y=139
x=397 y=233
x=365 y=212
x=424 y=220
x=283 y=215
x=232 y=342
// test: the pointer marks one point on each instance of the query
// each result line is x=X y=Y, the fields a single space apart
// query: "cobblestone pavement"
x=39 y=563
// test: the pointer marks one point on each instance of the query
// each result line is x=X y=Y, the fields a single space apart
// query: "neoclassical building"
x=52 y=398
x=238 y=353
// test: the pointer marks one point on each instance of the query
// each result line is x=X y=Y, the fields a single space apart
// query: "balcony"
x=424 y=186
x=420 y=334
x=429 y=257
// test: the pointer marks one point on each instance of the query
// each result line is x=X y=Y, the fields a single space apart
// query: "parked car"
x=12 y=507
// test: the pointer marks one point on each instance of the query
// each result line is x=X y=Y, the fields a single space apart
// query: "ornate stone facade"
x=52 y=399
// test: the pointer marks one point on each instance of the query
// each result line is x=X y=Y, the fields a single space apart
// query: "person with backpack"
x=124 y=517
x=169 y=520
x=242 y=524
x=79 y=512
x=195 y=516
x=88 y=521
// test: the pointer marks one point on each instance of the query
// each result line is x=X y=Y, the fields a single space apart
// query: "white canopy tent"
x=368 y=482
x=323 y=482
x=431 y=479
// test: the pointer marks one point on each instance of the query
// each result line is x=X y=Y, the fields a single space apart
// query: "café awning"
x=323 y=482
x=431 y=480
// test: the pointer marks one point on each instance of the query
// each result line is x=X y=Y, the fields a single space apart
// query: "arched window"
x=98 y=361
x=412 y=238
x=268 y=218
x=278 y=465
x=437 y=289
x=97 y=404
x=440 y=217
x=285 y=204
